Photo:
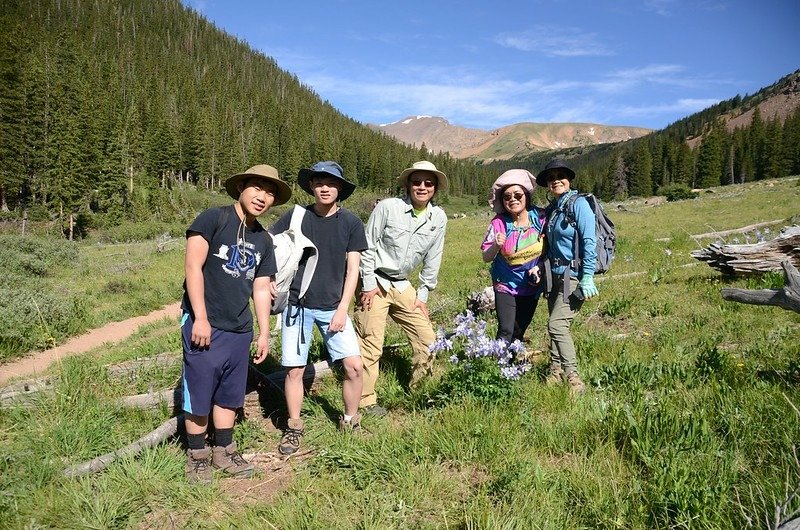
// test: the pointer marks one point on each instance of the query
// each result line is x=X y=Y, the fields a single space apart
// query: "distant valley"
x=439 y=135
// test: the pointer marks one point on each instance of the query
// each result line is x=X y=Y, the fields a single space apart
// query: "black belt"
x=387 y=277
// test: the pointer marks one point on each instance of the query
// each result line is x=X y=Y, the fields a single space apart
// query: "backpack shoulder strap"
x=569 y=207
x=296 y=222
x=295 y=225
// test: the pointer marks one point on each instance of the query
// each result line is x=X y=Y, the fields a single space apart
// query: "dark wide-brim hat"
x=325 y=169
x=557 y=163
x=282 y=192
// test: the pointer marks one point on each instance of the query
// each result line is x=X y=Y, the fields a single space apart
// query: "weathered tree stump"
x=481 y=302
x=756 y=258
x=787 y=298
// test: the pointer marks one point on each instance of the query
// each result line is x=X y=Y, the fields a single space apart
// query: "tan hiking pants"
x=371 y=327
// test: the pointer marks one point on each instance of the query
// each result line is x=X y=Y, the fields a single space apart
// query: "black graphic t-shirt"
x=233 y=262
x=334 y=237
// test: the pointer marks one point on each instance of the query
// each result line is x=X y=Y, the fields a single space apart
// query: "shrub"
x=676 y=192
x=29 y=255
x=33 y=319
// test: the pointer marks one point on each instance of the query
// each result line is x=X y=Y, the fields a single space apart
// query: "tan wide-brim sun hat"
x=512 y=177
x=282 y=193
x=423 y=165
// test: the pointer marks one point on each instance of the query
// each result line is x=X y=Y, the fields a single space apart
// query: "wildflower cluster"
x=469 y=342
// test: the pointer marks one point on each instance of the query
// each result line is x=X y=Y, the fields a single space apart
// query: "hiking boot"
x=290 y=441
x=229 y=461
x=375 y=410
x=576 y=385
x=198 y=466
x=353 y=426
x=555 y=376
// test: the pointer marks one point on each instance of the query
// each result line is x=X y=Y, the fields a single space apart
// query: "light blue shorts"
x=296 y=332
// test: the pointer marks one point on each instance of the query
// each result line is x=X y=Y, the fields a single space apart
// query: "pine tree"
x=640 y=182
x=773 y=160
x=710 y=160
x=756 y=141
x=619 y=178
x=11 y=108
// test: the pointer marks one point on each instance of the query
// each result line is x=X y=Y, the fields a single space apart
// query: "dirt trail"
x=112 y=332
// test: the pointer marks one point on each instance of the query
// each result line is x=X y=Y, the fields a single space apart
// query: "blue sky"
x=492 y=63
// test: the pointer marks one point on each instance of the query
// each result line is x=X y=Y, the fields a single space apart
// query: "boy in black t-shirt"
x=339 y=238
x=229 y=258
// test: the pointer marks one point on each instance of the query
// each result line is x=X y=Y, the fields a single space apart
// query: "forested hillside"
x=708 y=148
x=109 y=108
x=106 y=106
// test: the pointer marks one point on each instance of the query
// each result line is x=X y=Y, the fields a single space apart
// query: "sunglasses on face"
x=426 y=183
x=517 y=195
x=556 y=176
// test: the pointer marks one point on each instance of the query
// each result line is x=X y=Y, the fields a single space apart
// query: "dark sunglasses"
x=518 y=195
x=556 y=176
x=426 y=183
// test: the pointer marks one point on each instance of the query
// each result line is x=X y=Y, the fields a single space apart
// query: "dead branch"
x=164 y=431
x=787 y=298
x=171 y=397
x=756 y=258
x=741 y=230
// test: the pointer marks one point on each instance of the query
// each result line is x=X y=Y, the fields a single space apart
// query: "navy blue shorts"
x=217 y=375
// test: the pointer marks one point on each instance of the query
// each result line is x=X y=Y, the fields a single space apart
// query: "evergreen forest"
x=109 y=109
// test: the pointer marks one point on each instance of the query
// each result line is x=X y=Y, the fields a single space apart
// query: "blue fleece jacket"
x=561 y=234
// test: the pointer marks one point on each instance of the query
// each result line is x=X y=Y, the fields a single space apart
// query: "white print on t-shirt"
x=242 y=259
x=222 y=253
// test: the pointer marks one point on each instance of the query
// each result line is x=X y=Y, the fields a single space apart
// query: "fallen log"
x=787 y=298
x=24 y=391
x=172 y=397
x=164 y=431
x=162 y=360
x=742 y=230
x=756 y=258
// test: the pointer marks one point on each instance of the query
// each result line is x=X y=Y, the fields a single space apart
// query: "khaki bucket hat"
x=282 y=194
x=423 y=165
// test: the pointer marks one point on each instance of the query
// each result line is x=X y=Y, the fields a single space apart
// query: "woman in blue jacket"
x=572 y=279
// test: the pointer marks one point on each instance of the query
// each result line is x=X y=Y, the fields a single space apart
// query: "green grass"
x=688 y=422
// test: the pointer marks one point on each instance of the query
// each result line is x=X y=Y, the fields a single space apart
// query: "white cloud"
x=684 y=106
x=554 y=42
x=663 y=8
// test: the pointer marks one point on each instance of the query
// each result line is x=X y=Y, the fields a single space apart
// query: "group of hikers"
x=230 y=259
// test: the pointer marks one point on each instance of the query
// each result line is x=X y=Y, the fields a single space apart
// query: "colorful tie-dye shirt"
x=518 y=255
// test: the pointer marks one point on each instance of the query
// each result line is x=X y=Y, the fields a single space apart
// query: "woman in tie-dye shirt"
x=513 y=244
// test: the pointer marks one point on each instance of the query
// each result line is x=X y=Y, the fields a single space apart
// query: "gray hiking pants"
x=562 y=348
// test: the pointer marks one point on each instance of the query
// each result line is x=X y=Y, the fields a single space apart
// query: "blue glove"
x=587 y=286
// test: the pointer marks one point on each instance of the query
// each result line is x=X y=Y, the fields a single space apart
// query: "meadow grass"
x=689 y=420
